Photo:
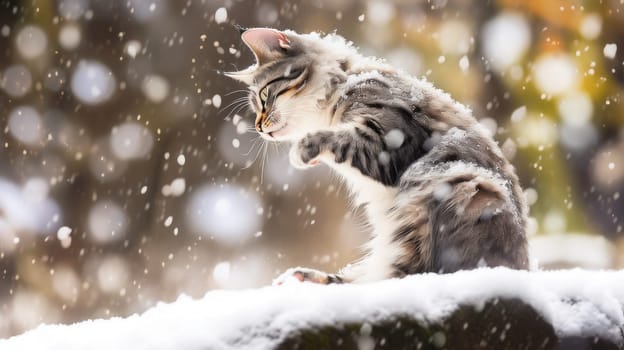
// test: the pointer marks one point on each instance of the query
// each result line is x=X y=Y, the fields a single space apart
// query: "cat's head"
x=292 y=80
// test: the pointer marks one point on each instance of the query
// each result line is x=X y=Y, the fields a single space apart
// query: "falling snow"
x=464 y=63
x=216 y=101
x=131 y=171
x=609 y=51
x=133 y=48
x=63 y=233
x=221 y=15
x=518 y=114
x=394 y=138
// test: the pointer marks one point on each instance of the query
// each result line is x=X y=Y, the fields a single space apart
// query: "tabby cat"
x=437 y=190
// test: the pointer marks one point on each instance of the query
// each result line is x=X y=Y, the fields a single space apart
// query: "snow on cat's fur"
x=439 y=194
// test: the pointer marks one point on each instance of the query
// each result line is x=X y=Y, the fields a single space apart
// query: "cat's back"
x=458 y=201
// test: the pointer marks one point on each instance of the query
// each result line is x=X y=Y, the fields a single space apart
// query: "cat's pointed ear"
x=266 y=44
x=245 y=76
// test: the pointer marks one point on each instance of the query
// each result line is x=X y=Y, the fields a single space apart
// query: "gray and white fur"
x=437 y=190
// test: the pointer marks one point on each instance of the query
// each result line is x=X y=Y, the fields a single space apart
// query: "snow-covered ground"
x=575 y=302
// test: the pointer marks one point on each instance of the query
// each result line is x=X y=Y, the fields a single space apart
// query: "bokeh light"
x=454 y=37
x=66 y=283
x=155 y=87
x=30 y=308
x=591 y=26
x=92 y=82
x=576 y=108
x=555 y=74
x=16 y=80
x=70 y=36
x=29 y=209
x=26 y=125
x=31 y=42
x=226 y=213
x=103 y=163
x=506 y=38
x=107 y=222
x=146 y=10
x=131 y=140
x=72 y=9
x=112 y=274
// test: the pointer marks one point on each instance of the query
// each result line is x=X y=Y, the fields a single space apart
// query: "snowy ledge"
x=487 y=308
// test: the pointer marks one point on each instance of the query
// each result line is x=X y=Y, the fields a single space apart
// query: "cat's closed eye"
x=264 y=95
x=295 y=79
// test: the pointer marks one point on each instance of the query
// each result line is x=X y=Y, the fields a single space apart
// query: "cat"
x=438 y=192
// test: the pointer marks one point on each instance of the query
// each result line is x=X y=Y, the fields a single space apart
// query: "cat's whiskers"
x=264 y=157
x=246 y=91
x=236 y=101
x=242 y=109
x=236 y=106
x=257 y=154
x=254 y=142
x=275 y=147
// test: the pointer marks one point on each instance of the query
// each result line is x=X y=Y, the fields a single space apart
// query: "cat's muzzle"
x=268 y=124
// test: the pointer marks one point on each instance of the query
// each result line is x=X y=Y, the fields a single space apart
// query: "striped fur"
x=439 y=194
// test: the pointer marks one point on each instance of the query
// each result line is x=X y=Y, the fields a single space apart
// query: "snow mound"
x=577 y=303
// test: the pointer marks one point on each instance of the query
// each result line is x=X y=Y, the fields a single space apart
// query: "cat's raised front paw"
x=302 y=274
x=304 y=153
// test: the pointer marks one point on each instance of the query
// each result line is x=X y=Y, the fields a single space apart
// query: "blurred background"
x=128 y=175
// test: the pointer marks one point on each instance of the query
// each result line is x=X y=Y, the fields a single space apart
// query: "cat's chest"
x=364 y=189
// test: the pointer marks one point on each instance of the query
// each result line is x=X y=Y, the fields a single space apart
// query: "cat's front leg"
x=306 y=152
x=356 y=146
x=303 y=274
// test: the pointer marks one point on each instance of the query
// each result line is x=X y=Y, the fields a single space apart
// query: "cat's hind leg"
x=470 y=220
